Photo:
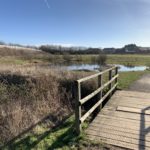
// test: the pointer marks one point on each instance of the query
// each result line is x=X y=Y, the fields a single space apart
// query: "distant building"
x=109 y=50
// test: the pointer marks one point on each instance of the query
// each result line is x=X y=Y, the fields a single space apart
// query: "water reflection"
x=95 y=67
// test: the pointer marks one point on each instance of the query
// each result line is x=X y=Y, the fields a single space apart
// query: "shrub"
x=101 y=59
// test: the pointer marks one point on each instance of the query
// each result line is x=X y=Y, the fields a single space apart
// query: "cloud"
x=63 y=44
x=47 y=4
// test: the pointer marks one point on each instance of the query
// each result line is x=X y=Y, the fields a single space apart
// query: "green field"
x=128 y=60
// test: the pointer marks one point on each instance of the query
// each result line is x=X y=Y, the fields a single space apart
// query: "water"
x=95 y=67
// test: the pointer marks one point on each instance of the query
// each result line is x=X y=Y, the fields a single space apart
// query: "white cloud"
x=47 y=4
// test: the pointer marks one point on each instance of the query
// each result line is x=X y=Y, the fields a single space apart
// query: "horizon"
x=66 y=45
x=93 y=23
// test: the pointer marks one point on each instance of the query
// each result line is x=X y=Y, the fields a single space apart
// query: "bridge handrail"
x=79 y=102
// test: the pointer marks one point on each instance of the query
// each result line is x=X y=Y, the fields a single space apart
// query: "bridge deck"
x=124 y=121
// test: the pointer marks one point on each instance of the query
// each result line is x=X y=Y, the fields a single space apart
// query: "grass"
x=11 y=60
x=126 y=59
x=127 y=78
x=129 y=60
x=62 y=137
x=17 y=57
x=44 y=138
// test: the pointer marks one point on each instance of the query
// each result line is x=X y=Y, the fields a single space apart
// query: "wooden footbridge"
x=124 y=121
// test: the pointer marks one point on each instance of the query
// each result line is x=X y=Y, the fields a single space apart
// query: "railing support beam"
x=116 y=72
x=110 y=77
x=77 y=92
x=99 y=85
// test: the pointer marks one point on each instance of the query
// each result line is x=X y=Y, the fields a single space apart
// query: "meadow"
x=23 y=57
x=36 y=101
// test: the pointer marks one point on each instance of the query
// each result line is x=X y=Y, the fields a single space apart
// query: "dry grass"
x=6 y=51
x=22 y=56
x=30 y=93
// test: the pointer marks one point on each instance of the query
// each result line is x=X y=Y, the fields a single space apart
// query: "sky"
x=91 y=23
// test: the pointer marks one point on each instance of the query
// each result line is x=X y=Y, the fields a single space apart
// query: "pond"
x=95 y=67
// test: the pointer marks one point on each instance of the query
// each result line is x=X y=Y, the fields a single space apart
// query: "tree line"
x=60 y=50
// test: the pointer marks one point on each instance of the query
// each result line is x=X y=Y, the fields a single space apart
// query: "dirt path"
x=141 y=85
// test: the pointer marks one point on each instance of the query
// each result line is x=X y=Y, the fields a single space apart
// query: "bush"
x=101 y=59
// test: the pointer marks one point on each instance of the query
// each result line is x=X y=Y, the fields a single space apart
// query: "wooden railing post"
x=101 y=92
x=77 y=91
x=116 y=72
x=110 y=77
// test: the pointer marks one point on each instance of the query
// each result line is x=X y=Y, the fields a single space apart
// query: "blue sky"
x=96 y=23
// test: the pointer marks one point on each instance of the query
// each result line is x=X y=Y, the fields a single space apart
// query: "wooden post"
x=99 y=85
x=77 y=92
x=116 y=72
x=110 y=77
x=99 y=96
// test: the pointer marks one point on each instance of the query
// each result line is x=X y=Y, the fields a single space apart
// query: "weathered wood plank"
x=96 y=75
x=141 y=120
x=131 y=100
x=77 y=92
x=120 y=138
x=133 y=110
x=127 y=115
x=125 y=145
x=118 y=123
x=116 y=127
x=133 y=94
x=114 y=105
x=136 y=137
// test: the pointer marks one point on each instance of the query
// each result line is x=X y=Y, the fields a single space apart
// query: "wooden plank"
x=100 y=95
x=127 y=115
x=128 y=124
x=77 y=92
x=109 y=130
x=110 y=78
x=115 y=104
x=100 y=118
x=96 y=75
x=133 y=94
x=106 y=130
x=131 y=100
x=136 y=131
x=116 y=72
x=132 y=110
x=117 y=143
x=124 y=115
x=121 y=121
x=120 y=138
